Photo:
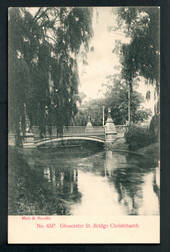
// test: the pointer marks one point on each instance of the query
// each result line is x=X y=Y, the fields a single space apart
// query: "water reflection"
x=135 y=183
x=103 y=183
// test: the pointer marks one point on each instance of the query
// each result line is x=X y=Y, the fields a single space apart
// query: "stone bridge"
x=75 y=134
x=90 y=133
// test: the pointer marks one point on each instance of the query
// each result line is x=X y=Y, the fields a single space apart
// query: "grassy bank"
x=151 y=150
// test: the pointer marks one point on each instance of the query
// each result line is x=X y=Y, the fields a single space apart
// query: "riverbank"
x=151 y=151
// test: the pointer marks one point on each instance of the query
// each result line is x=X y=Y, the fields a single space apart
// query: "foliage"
x=24 y=181
x=44 y=43
x=117 y=99
x=154 y=127
x=141 y=115
x=92 y=109
x=81 y=118
x=141 y=55
x=137 y=137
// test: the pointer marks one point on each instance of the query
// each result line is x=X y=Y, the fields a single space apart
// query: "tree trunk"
x=129 y=101
x=130 y=91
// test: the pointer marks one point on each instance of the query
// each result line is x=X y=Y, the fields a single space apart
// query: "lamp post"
x=103 y=116
x=129 y=109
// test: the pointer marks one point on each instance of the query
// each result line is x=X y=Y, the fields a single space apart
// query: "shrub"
x=137 y=137
x=155 y=127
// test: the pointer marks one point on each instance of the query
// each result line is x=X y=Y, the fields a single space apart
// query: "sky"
x=101 y=61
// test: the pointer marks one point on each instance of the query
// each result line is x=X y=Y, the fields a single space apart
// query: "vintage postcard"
x=83 y=125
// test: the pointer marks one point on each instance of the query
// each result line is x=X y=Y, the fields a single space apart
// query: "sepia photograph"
x=83 y=111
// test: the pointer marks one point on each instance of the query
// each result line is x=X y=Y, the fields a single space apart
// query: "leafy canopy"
x=141 y=56
x=43 y=48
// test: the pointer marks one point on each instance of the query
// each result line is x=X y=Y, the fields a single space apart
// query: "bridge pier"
x=28 y=138
x=11 y=139
x=28 y=141
x=110 y=129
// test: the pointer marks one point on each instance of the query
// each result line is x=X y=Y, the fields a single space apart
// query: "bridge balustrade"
x=83 y=131
x=77 y=130
x=36 y=131
x=96 y=133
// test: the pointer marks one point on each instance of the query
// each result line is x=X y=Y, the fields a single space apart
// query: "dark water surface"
x=81 y=183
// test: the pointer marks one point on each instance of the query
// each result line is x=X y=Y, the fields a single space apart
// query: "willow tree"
x=47 y=40
x=141 y=56
x=18 y=75
x=74 y=32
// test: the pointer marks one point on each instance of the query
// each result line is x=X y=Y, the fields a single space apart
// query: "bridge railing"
x=82 y=131
x=36 y=131
x=74 y=129
x=77 y=131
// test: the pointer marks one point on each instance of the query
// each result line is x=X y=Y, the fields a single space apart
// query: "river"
x=82 y=183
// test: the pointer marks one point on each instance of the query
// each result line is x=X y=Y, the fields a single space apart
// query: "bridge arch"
x=65 y=139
